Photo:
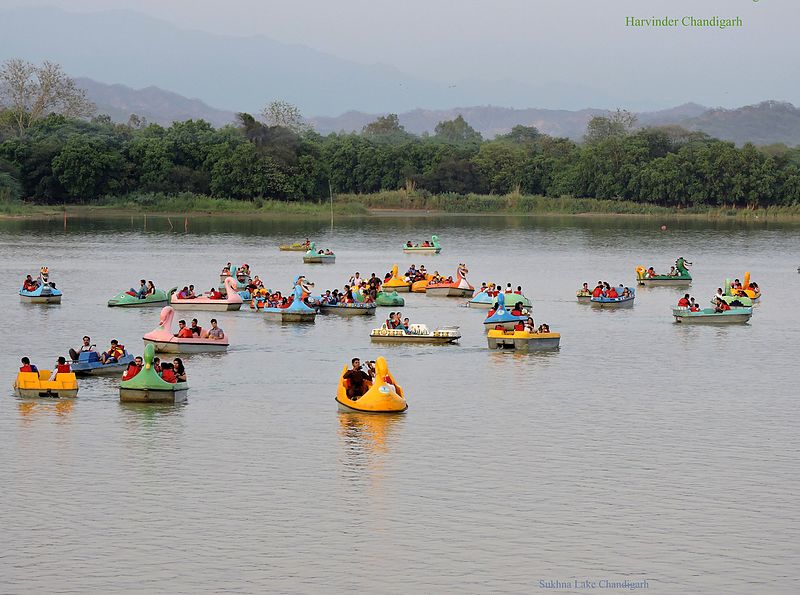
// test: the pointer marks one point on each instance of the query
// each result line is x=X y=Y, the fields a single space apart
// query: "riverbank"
x=392 y=202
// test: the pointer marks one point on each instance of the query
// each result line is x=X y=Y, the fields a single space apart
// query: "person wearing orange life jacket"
x=684 y=301
x=612 y=293
x=168 y=373
x=598 y=291
x=183 y=331
x=113 y=354
x=133 y=368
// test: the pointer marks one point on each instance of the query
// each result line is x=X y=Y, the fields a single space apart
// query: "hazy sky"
x=565 y=41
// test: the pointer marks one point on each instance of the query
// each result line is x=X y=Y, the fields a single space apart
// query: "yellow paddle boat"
x=38 y=384
x=748 y=289
x=296 y=247
x=522 y=340
x=421 y=286
x=396 y=283
x=383 y=396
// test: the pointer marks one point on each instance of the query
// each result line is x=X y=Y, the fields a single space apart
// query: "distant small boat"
x=431 y=247
x=296 y=247
x=522 y=340
x=231 y=301
x=89 y=364
x=416 y=333
x=314 y=256
x=460 y=287
x=345 y=309
x=45 y=292
x=617 y=302
x=681 y=278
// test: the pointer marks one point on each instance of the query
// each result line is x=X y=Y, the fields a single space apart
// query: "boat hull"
x=665 y=282
x=548 y=343
x=616 y=304
x=39 y=393
x=205 y=306
x=40 y=299
x=319 y=259
x=181 y=347
x=347 y=311
x=106 y=370
x=293 y=248
x=423 y=250
x=397 y=288
x=284 y=316
x=152 y=395
x=449 y=292
x=736 y=318
x=480 y=305
x=584 y=299
x=347 y=408
x=430 y=339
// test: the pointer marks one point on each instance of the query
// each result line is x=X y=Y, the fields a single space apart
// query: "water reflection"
x=367 y=434
x=30 y=409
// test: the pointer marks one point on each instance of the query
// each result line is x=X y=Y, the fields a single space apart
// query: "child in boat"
x=113 y=354
x=168 y=373
x=61 y=367
x=27 y=366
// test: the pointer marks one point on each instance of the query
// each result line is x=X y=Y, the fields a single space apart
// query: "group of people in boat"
x=326 y=252
x=196 y=332
x=690 y=303
x=145 y=288
x=346 y=296
x=112 y=355
x=516 y=310
x=604 y=289
x=425 y=244
x=171 y=372
x=31 y=284
x=414 y=274
x=650 y=272
x=738 y=289
x=241 y=273
x=60 y=367
x=494 y=289
x=266 y=298
x=396 y=321
x=188 y=293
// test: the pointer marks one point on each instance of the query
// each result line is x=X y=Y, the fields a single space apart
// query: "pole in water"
x=186 y=225
x=330 y=192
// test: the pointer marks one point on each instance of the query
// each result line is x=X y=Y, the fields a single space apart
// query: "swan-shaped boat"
x=486 y=299
x=312 y=256
x=148 y=387
x=89 y=364
x=681 y=279
x=522 y=340
x=38 y=384
x=433 y=247
x=416 y=333
x=711 y=316
x=44 y=292
x=297 y=310
x=164 y=341
x=396 y=283
x=127 y=299
x=460 y=287
x=296 y=247
x=617 y=302
x=231 y=301
x=502 y=317
x=748 y=289
x=242 y=281
x=383 y=396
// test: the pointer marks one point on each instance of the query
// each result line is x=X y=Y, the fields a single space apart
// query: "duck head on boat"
x=396 y=283
x=148 y=387
x=502 y=317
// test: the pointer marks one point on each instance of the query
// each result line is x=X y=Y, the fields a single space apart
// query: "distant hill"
x=762 y=124
x=156 y=105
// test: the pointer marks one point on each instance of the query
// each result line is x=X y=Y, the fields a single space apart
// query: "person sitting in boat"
x=422 y=270
x=307 y=244
x=409 y=244
x=684 y=301
x=27 y=366
x=196 y=330
x=183 y=332
x=517 y=309
x=183 y=293
x=369 y=296
x=113 y=354
x=545 y=328
x=180 y=371
x=133 y=368
x=168 y=373
x=406 y=325
x=612 y=293
x=693 y=305
x=736 y=284
x=626 y=293
x=508 y=288
x=672 y=272
x=61 y=367
x=651 y=272
x=215 y=332
x=598 y=291
x=719 y=295
x=226 y=270
x=214 y=294
x=357 y=379
x=141 y=292
x=721 y=306
x=529 y=325
x=157 y=365
x=85 y=347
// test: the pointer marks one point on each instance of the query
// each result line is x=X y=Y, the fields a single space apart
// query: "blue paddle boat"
x=503 y=317
x=298 y=310
x=624 y=301
x=487 y=299
x=89 y=364
x=41 y=291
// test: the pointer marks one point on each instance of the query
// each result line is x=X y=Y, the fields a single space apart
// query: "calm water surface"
x=642 y=450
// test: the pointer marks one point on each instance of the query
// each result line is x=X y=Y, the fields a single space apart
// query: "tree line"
x=51 y=153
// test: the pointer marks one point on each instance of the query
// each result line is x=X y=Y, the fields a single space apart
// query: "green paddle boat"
x=128 y=299
x=148 y=387
x=679 y=278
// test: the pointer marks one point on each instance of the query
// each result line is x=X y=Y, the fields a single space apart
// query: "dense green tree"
x=457 y=131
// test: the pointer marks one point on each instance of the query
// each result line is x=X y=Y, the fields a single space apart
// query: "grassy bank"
x=400 y=200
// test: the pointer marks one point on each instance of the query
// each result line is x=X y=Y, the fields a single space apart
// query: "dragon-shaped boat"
x=460 y=287
x=431 y=247
x=681 y=278
x=128 y=299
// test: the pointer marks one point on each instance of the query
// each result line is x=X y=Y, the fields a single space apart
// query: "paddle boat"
x=128 y=299
x=232 y=301
x=345 y=309
x=734 y=301
x=681 y=278
x=41 y=291
x=164 y=341
x=383 y=396
x=416 y=333
x=38 y=384
x=296 y=310
x=296 y=247
x=431 y=247
x=486 y=299
x=389 y=298
x=522 y=340
x=614 y=302
x=421 y=286
x=748 y=289
x=243 y=280
x=396 y=283
x=711 y=316
x=458 y=288
x=148 y=387
x=313 y=256
x=89 y=364
x=584 y=296
x=501 y=317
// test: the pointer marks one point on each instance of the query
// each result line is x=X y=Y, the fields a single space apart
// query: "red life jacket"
x=612 y=293
x=724 y=306
x=168 y=376
x=26 y=368
x=519 y=327
x=63 y=369
x=683 y=302
x=598 y=291
x=185 y=333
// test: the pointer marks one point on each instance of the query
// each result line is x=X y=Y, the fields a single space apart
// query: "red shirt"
x=63 y=369
x=26 y=368
x=612 y=293
x=598 y=291
x=683 y=302
x=723 y=306
x=168 y=376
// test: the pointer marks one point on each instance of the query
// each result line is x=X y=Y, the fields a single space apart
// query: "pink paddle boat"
x=165 y=341
x=231 y=301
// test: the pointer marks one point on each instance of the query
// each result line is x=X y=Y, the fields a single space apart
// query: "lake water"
x=642 y=450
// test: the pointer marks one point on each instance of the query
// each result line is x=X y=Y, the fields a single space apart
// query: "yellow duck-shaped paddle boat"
x=396 y=283
x=384 y=395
